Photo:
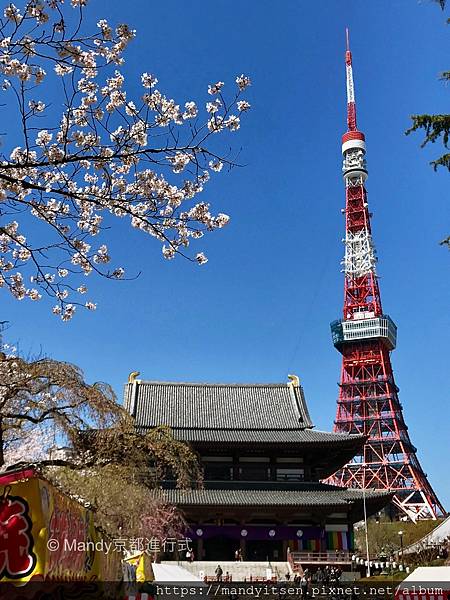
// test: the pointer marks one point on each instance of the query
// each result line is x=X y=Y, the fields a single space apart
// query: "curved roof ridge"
x=237 y=428
x=210 y=384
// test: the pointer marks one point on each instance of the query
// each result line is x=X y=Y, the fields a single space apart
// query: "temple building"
x=263 y=463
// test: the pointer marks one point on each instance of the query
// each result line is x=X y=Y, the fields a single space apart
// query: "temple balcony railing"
x=312 y=484
x=353 y=330
x=342 y=557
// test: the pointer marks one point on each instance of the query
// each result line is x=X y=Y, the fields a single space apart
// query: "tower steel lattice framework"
x=368 y=400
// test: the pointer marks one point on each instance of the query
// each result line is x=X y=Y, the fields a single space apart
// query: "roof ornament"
x=294 y=380
x=132 y=376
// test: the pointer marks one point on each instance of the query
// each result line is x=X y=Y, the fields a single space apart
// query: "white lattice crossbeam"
x=360 y=256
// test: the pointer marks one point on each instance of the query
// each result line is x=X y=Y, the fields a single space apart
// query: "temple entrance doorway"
x=257 y=550
x=219 y=547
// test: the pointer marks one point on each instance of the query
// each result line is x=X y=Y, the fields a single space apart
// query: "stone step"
x=237 y=570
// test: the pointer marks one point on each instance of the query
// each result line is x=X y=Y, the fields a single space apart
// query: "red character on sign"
x=17 y=558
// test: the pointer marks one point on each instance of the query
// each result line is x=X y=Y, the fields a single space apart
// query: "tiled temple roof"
x=220 y=406
x=229 y=413
x=266 y=436
x=325 y=496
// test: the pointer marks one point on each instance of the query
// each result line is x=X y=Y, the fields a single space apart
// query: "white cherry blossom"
x=243 y=82
x=213 y=107
x=201 y=258
x=243 y=105
x=233 y=123
x=191 y=110
x=215 y=87
x=148 y=80
x=216 y=165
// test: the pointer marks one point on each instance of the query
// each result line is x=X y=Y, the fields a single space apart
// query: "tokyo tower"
x=368 y=400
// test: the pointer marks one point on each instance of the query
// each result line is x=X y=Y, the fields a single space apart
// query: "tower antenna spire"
x=351 y=105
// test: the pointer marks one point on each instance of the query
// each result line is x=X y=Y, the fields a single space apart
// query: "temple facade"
x=263 y=463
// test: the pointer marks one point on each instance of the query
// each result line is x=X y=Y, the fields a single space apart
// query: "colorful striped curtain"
x=339 y=540
x=335 y=540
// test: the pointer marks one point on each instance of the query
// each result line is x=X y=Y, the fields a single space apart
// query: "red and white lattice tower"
x=368 y=397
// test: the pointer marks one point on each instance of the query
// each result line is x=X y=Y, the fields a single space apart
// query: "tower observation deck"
x=368 y=400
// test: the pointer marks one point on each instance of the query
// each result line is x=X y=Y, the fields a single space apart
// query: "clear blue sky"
x=261 y=307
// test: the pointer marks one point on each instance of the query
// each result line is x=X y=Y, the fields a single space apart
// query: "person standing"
x=304 y=585
x=219 y=573
x=320 y=575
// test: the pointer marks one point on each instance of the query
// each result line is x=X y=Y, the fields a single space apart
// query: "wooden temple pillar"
x=200 y=549
x=242 y=541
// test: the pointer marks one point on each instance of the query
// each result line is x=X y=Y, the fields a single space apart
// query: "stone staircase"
x=239 y=571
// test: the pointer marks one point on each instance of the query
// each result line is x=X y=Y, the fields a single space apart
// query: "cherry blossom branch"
x=95 y=162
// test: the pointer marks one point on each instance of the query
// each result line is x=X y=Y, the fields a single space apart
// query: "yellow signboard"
x=47 y=536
